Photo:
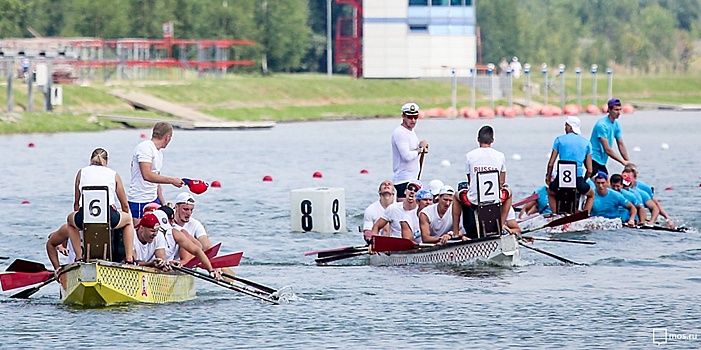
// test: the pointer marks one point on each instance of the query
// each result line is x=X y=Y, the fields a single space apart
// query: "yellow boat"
x=104 y=283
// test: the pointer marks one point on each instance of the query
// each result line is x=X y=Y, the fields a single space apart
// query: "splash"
x=285 y=295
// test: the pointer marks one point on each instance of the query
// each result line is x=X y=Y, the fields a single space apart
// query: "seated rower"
x=616 y=182
x=398 y=212
x=637 y=184
x=436 y=220
x=607 y=203
x=177 y=241
x=149 y=245
x=375 y=210
x=539 y=205
x=425 y=199
x=628 y=183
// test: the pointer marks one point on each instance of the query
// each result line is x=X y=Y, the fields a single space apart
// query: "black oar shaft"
x=227 y=284
x=557 y=257
x=250 y=283
x=333 y=258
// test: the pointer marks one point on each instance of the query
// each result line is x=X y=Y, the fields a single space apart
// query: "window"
x=418 y=28
x=439 y=2
x=418 y=2
x=456 y=2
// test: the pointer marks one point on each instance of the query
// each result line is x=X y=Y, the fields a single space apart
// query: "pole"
x=527 y=72
x=490 y=71
x=454 y=92
x=545 y=84
x=473 y=72
x=561 y=68
x=609 y=72
x=510 y=79
x=593 y=83
x=8 y=69
x=329 y=49
x=578 y=71
x=30 y=88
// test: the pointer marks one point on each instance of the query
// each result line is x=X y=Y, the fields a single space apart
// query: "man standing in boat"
x=571 y=147
x=375 y=210
x=483 y=158
x=406 y=150
x=604 y=132
x=146 y=164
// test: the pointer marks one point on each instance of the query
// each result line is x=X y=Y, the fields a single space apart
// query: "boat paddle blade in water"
x=228 y=260
x=342 y=256
x=561 y=221
x=564 y=260
x=392 y=244
x=20 y=265
x=229 y=285
x=333 y=251
x=210 y=253
x=25 y=294
x=12 y=280
x=553 y=239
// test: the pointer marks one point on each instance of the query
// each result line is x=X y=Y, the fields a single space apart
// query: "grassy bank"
x=284 y=97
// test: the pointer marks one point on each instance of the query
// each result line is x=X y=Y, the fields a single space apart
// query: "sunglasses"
x=413 y=188
x=414 y=117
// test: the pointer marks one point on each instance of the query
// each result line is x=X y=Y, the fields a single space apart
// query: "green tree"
x=283 y=34
x=12 y=15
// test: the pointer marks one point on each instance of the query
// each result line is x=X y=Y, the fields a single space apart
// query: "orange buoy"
x=215 y=184
x=317 y=175
x=529 y=112
x=627 y=108
x=604 y=108
x=592 y=109
x=485 y=112
x=451 y=112
x=499 y=110
x=509 y=112
x=267 y=178
x=364 y=171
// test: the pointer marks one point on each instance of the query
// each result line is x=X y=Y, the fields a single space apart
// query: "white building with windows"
x=418 y=38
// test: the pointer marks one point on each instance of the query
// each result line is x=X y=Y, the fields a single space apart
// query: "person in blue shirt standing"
x=607 y=203
x=571 y=147
x=604 y=132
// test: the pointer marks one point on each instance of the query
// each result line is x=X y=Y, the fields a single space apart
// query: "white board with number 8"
x=567 y=174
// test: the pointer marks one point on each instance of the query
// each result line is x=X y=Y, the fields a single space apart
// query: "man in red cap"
x=149 y=246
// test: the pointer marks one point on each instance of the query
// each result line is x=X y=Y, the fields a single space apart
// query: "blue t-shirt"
x=632 y=197
x=607 y=206
x=603 y=128
x=574 y=148
x=645 y=187
x=643 y=195
x=542 y=202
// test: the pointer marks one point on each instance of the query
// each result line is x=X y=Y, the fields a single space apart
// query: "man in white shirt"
x=184 y=206
x=149 y=245
x=146 y=164
x=400 y=212
x=406 y=150
x=375 y=210
x=436 y=226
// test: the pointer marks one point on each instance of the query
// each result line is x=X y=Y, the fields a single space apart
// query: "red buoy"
x=317 y=175
x=143 y=136
x=668 y=189
x=25 y=202
x=364 y=171
x=267 y=178
x=215 y=184
x=31 y=145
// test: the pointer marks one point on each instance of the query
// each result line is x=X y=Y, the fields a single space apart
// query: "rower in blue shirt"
x=607 y=203
x=650 y=191
x=632 y=196
x=539 y=205
x=628 y=183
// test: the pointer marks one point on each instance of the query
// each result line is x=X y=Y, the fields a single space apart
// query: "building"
x=418 y=38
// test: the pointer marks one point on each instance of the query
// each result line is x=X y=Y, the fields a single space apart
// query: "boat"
x=103 y=283
x=497 y=249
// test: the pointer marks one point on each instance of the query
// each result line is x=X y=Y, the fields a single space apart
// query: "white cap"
x=435 y=186
x=575 y=123
x=446 y=190
x=185 y=197
x=410 y=108
x=162 y=219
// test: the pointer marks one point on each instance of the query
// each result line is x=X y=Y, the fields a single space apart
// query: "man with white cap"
x=406 y=150
x=571 y=147
x=184 y=206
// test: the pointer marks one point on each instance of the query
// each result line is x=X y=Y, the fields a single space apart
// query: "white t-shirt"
x=480 y=160
x=97 y=175
x=511 y=215
x=373 y=212
x=193 y=227
x=405 y=163
x=140 y=190
x=147 y=252
x=172 y=248
x=395 y=213
x=439 y=225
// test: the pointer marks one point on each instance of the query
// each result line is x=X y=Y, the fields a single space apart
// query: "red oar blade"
x=210 y=253
x=570 y=218
x=228 y=260
x=12 y=280
x=20 y=265
x=392 y=244
x=532 y=197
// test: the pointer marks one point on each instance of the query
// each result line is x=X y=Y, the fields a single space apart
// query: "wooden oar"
x=532 y=197
x=224 y=260
x=21 y=265
x=392 y=244
x=12 y=280
x=561 y=221
x=229 y=285
x=421 y=163
x=332 y=258
x=553 y=239
x=323 y=252
x=565 y=260
x=210 y=253
x=263 y=288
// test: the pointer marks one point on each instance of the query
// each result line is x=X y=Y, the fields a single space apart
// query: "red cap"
x=149 y=220
x=196 y=186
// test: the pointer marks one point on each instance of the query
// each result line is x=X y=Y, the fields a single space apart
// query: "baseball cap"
x=196 y=186
x=424 y=193
x=184 y=197
x=446 y=190
x=149 y=220
x=168 y=210
x=575 y=123
x=462 y=185
x=626 y=179
x=614 y=102
x=410 y=108
x=435 y=186
x=148 y=208
x=601 y=175
x=416 y=183
x=162 y=219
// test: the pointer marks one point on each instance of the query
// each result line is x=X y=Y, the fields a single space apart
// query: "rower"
x=607 y=203
x=184 y=207
x=436 y=220
x=539 y=205
x=375 y=210
x=149 y=245
x=401 y=211
x=649 y=191
x=575 y=153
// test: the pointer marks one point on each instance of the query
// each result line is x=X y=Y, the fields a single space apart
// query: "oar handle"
x=226 y=284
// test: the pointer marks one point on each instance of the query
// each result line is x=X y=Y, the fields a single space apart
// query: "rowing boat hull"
x=500 y=250
x=104 y=283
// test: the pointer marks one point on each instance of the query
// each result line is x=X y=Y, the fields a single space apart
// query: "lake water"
x=636 y=280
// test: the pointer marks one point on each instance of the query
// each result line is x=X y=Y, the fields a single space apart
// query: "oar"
x=564 y=260
x=532 y=197
x=553 y=239
x=328 y=259
x=392 y=244
x=225 y=260
x=662 y=228
x=250 y=283
x=322 y=253
x=4 y=257
x=25 y=294
x=561 y=221
x=12 y=280
x=210 y=253
x=421 y=163
x=228 y=285
x=21 y=265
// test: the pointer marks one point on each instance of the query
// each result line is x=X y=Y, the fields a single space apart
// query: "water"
x=635 y=281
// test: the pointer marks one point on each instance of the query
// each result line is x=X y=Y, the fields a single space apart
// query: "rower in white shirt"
x=184 y=206
x=149 y=245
